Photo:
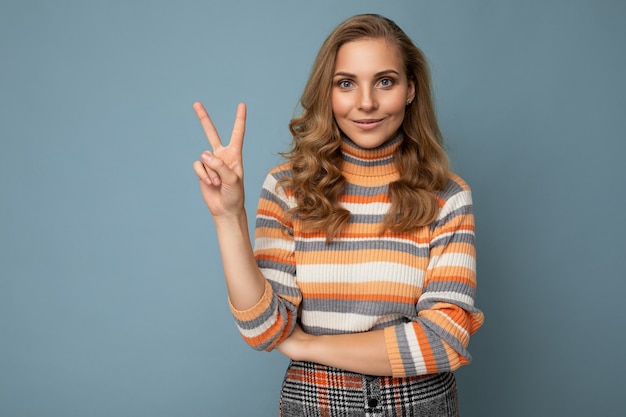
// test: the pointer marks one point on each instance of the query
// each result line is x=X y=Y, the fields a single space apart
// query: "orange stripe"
x=360 y=288
x=266 y=335
x=458 y=317
x=272 y=233
x=362 y=199
x=361 y=256
x=279 y=259
x=393 y=352
x=370 y=297
x=427 y=352
x=454 y=247
x=457 y=226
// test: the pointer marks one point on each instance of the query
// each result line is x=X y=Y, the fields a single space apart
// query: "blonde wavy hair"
x=317 y=182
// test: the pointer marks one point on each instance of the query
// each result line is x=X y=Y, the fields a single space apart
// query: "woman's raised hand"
x=221 y=171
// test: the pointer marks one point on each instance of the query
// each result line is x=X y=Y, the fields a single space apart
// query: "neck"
x=369 y=162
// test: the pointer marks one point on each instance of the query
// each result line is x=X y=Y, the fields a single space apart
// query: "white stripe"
x=282 y=278
x=414 y=348
x=464 y=198
x=273 y=243
x=263 y=216
x=360 y=273
x=443 y=236
x=367 y=209
x=453 y=259
x=448 y=296
x=256 y=331
x=339 y=321
x=454 y=323
x=269 y=185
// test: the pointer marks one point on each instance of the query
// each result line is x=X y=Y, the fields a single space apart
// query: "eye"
x=344 y=84
x=386 y=82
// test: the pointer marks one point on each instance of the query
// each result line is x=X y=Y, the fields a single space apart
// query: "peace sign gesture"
x=221 y=171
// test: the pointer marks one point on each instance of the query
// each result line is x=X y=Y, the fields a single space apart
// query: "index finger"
x=239 y=128
x=207 y=125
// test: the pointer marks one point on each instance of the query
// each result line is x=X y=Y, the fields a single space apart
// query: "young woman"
x=363 y=271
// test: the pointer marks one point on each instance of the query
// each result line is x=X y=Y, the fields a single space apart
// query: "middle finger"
x=207 y=125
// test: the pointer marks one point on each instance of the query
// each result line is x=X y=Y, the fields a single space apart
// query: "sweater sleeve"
x=437 y=339
x=273 y=318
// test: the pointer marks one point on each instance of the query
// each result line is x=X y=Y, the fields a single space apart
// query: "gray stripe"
x=449 y=190
x=321 y=331
x=267 y=313
x=276 y=266
x=284 y=173
x=429 y=303
x=270 y=196
x=284 y=290
x=282 y=312
x=269 y=223
x=368 y=163
x=440 y=334
x=405 y=351
x=456 y=287
x=436 y=345
x=353 y=189
x=378 y=244
x=367 y=218
x=461 y=211
x=362 y=307
x=458 y=237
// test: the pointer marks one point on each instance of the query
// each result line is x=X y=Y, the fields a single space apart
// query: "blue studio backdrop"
x=112 y=299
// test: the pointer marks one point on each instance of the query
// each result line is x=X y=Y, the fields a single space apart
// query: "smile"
x=367 y=124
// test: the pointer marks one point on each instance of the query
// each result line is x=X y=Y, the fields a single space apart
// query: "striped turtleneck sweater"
x=419 y=287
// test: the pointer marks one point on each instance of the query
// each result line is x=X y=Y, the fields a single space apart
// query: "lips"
x=367 y=124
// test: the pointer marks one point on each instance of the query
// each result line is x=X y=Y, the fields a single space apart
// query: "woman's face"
x=370 y=91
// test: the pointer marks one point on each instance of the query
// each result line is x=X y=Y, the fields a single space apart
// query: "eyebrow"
x=378 y=74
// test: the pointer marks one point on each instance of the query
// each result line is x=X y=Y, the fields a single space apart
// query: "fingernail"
x=206 y=156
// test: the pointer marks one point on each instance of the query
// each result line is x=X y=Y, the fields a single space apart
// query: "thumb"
x=212 y=162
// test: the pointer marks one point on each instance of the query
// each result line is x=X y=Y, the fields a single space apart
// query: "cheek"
x=339 y=105
x=396 y=105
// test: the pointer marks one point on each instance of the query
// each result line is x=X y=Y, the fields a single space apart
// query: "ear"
x=410 y=91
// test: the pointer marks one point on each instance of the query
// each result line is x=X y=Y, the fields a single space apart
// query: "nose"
x=367 y=100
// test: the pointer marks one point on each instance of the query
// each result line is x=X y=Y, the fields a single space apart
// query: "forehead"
x=365 y=55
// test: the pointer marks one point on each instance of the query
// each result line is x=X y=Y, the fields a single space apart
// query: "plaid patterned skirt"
x=313 y=390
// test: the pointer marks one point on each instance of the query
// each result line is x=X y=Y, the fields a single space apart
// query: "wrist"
x=228 y=221
x=299 y=346
x=309 y=349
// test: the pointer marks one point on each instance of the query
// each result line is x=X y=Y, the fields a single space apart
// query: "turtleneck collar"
x=369 y=162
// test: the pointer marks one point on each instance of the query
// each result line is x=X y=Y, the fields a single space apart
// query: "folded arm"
x=437 y=339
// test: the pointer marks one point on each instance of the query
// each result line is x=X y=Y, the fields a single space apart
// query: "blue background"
x=112 y=301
